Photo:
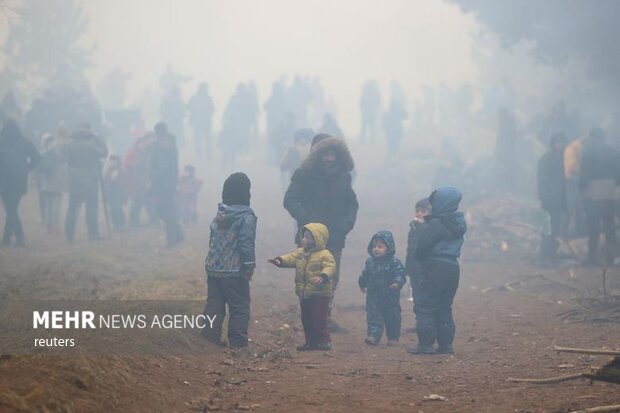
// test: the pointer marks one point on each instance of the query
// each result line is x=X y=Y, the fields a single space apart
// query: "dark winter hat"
x=318 y=138
x=236 y=190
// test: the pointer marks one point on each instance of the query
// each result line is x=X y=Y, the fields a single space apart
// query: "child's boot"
x=421 y=349
x=426 y=343
x=445 y=337
x=323 y=346
x=445 y=349
x=372 y=340
x=306 y=347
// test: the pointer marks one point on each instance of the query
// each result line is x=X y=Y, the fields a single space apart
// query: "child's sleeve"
x=399 y=273
x=289 y=260
x=328 y=265
x=411 y=244
x=363 y=280
x=246 y=241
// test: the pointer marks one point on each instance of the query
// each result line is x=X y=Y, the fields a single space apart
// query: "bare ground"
x=500 y=333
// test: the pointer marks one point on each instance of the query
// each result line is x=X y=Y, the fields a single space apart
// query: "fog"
x=454 y=66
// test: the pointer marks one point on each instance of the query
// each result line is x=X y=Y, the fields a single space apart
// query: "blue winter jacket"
x=442 y=238
x=232 y=241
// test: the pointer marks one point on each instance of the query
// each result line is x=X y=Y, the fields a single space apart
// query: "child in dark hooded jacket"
x=230 y=263
x=416 y=227
x=438 y=250
x=382 y=278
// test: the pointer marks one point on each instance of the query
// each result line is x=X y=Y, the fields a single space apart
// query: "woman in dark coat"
x=18 y=157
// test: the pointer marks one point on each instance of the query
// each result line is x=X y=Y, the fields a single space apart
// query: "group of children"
x=434 y=245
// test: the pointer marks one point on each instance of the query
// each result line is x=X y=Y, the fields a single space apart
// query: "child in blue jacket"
x=437 y=251
x=381 y=280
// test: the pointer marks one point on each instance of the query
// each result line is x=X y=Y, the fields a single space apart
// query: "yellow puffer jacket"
x=572 y=159
x=312 y=264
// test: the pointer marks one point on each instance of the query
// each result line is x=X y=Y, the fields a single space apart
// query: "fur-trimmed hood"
x=338 y=145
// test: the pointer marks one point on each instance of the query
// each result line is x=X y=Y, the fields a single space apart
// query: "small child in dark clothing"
x=381 y=280
x=230 y=263
x=412 y=265
x=189 y=186
x=438 y=249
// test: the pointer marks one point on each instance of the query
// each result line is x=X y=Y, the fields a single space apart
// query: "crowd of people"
x=146 y=179
x=577 y=185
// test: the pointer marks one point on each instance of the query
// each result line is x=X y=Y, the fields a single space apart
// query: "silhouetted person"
x=137 y=167
x=164 y=175
x=393 y=123
x=236 y=127
x=18 y=157
x=172 y=111
x=600 y=166
x=320 y=191
x=275 y=108
x=299 y=98
x=52 y=181
x=330 y=126
x=572 y=170
x=552 y=193
x=201 y=108
x=252 y=108
x=370 y=107
x=83 y=153
x=284 y=134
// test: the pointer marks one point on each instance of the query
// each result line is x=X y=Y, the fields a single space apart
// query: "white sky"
x=226 y=41
x=223 y=42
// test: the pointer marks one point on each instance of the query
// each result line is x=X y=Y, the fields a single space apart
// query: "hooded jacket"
x=309 y=264
x=232 y=241
x=442 y=238
x=412 y=264
x=380 y=272
x=319 y=195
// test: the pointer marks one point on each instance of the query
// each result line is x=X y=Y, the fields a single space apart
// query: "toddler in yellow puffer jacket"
x=315 y=268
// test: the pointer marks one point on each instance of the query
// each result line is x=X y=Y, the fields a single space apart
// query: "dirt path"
x=500 y=334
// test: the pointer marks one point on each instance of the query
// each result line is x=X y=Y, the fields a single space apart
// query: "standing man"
x=201 y=108
x=164 y=178
x=18 y=157
x=552 y=193
x=84 y=153
x=599 y=175
x=320 y=191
